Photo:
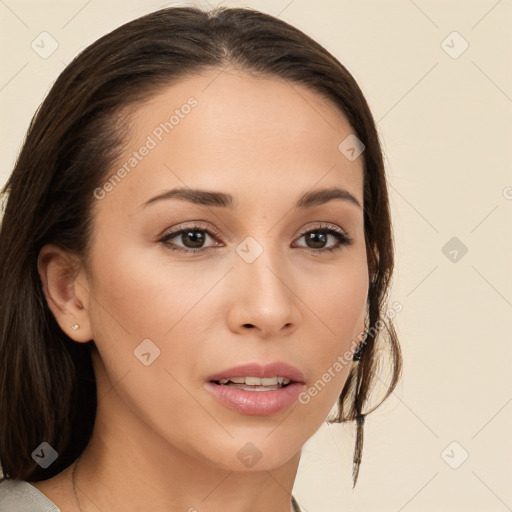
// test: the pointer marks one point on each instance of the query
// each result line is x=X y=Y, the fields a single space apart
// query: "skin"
x=160 y=437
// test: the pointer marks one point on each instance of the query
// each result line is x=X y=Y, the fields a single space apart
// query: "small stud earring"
x=76 y=326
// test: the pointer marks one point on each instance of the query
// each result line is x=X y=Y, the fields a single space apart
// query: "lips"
x=274 y=369
x=256 y=400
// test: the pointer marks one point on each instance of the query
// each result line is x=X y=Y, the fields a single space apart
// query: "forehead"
x=226 y=129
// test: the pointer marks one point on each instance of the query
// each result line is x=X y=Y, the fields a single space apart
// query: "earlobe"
x=66 y=292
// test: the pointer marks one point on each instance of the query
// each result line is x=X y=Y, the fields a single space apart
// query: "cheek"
x=338 y=305
x=138 y=298
x=141 y=295
x=145 y=294
x=339 y=299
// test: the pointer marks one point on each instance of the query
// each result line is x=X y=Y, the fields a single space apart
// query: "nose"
x=263 y=299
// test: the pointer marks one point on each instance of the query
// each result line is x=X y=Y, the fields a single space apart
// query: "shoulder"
x=21 y=496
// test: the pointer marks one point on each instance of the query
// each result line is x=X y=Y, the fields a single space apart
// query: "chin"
x=247 y=455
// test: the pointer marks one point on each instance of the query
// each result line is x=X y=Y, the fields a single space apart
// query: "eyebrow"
x=223 y=200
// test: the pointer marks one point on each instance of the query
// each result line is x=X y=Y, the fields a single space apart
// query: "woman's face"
x=261 y=286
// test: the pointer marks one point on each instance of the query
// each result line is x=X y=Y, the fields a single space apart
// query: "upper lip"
x=274 y=369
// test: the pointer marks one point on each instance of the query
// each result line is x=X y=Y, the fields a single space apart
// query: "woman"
x=195 y=253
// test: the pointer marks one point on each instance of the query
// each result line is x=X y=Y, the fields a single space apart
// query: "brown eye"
x=195 y=238
x=316 y=239
x=192 y=239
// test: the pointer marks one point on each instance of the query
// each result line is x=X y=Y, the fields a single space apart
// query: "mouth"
x=257 y=390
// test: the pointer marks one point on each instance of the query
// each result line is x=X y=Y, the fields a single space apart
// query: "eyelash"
x=343 y=238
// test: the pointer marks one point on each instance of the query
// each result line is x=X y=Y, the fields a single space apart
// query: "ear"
x=66 y=290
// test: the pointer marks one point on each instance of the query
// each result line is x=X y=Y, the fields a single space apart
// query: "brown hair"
x=47 y=383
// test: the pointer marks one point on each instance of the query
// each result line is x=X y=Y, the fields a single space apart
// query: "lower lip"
x=256 y=403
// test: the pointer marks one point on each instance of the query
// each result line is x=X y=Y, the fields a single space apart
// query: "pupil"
x=196 y=236
x=315 y=237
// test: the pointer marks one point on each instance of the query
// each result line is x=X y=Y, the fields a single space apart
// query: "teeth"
x=237 y=380
x=252 y=381
x=257 y=381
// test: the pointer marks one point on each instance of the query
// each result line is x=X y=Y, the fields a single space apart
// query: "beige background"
x=446 y=127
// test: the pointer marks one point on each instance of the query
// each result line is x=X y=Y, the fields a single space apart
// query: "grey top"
x=21 y=496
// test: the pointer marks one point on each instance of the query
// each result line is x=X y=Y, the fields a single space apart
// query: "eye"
x=192 y=236
x=320 y=235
